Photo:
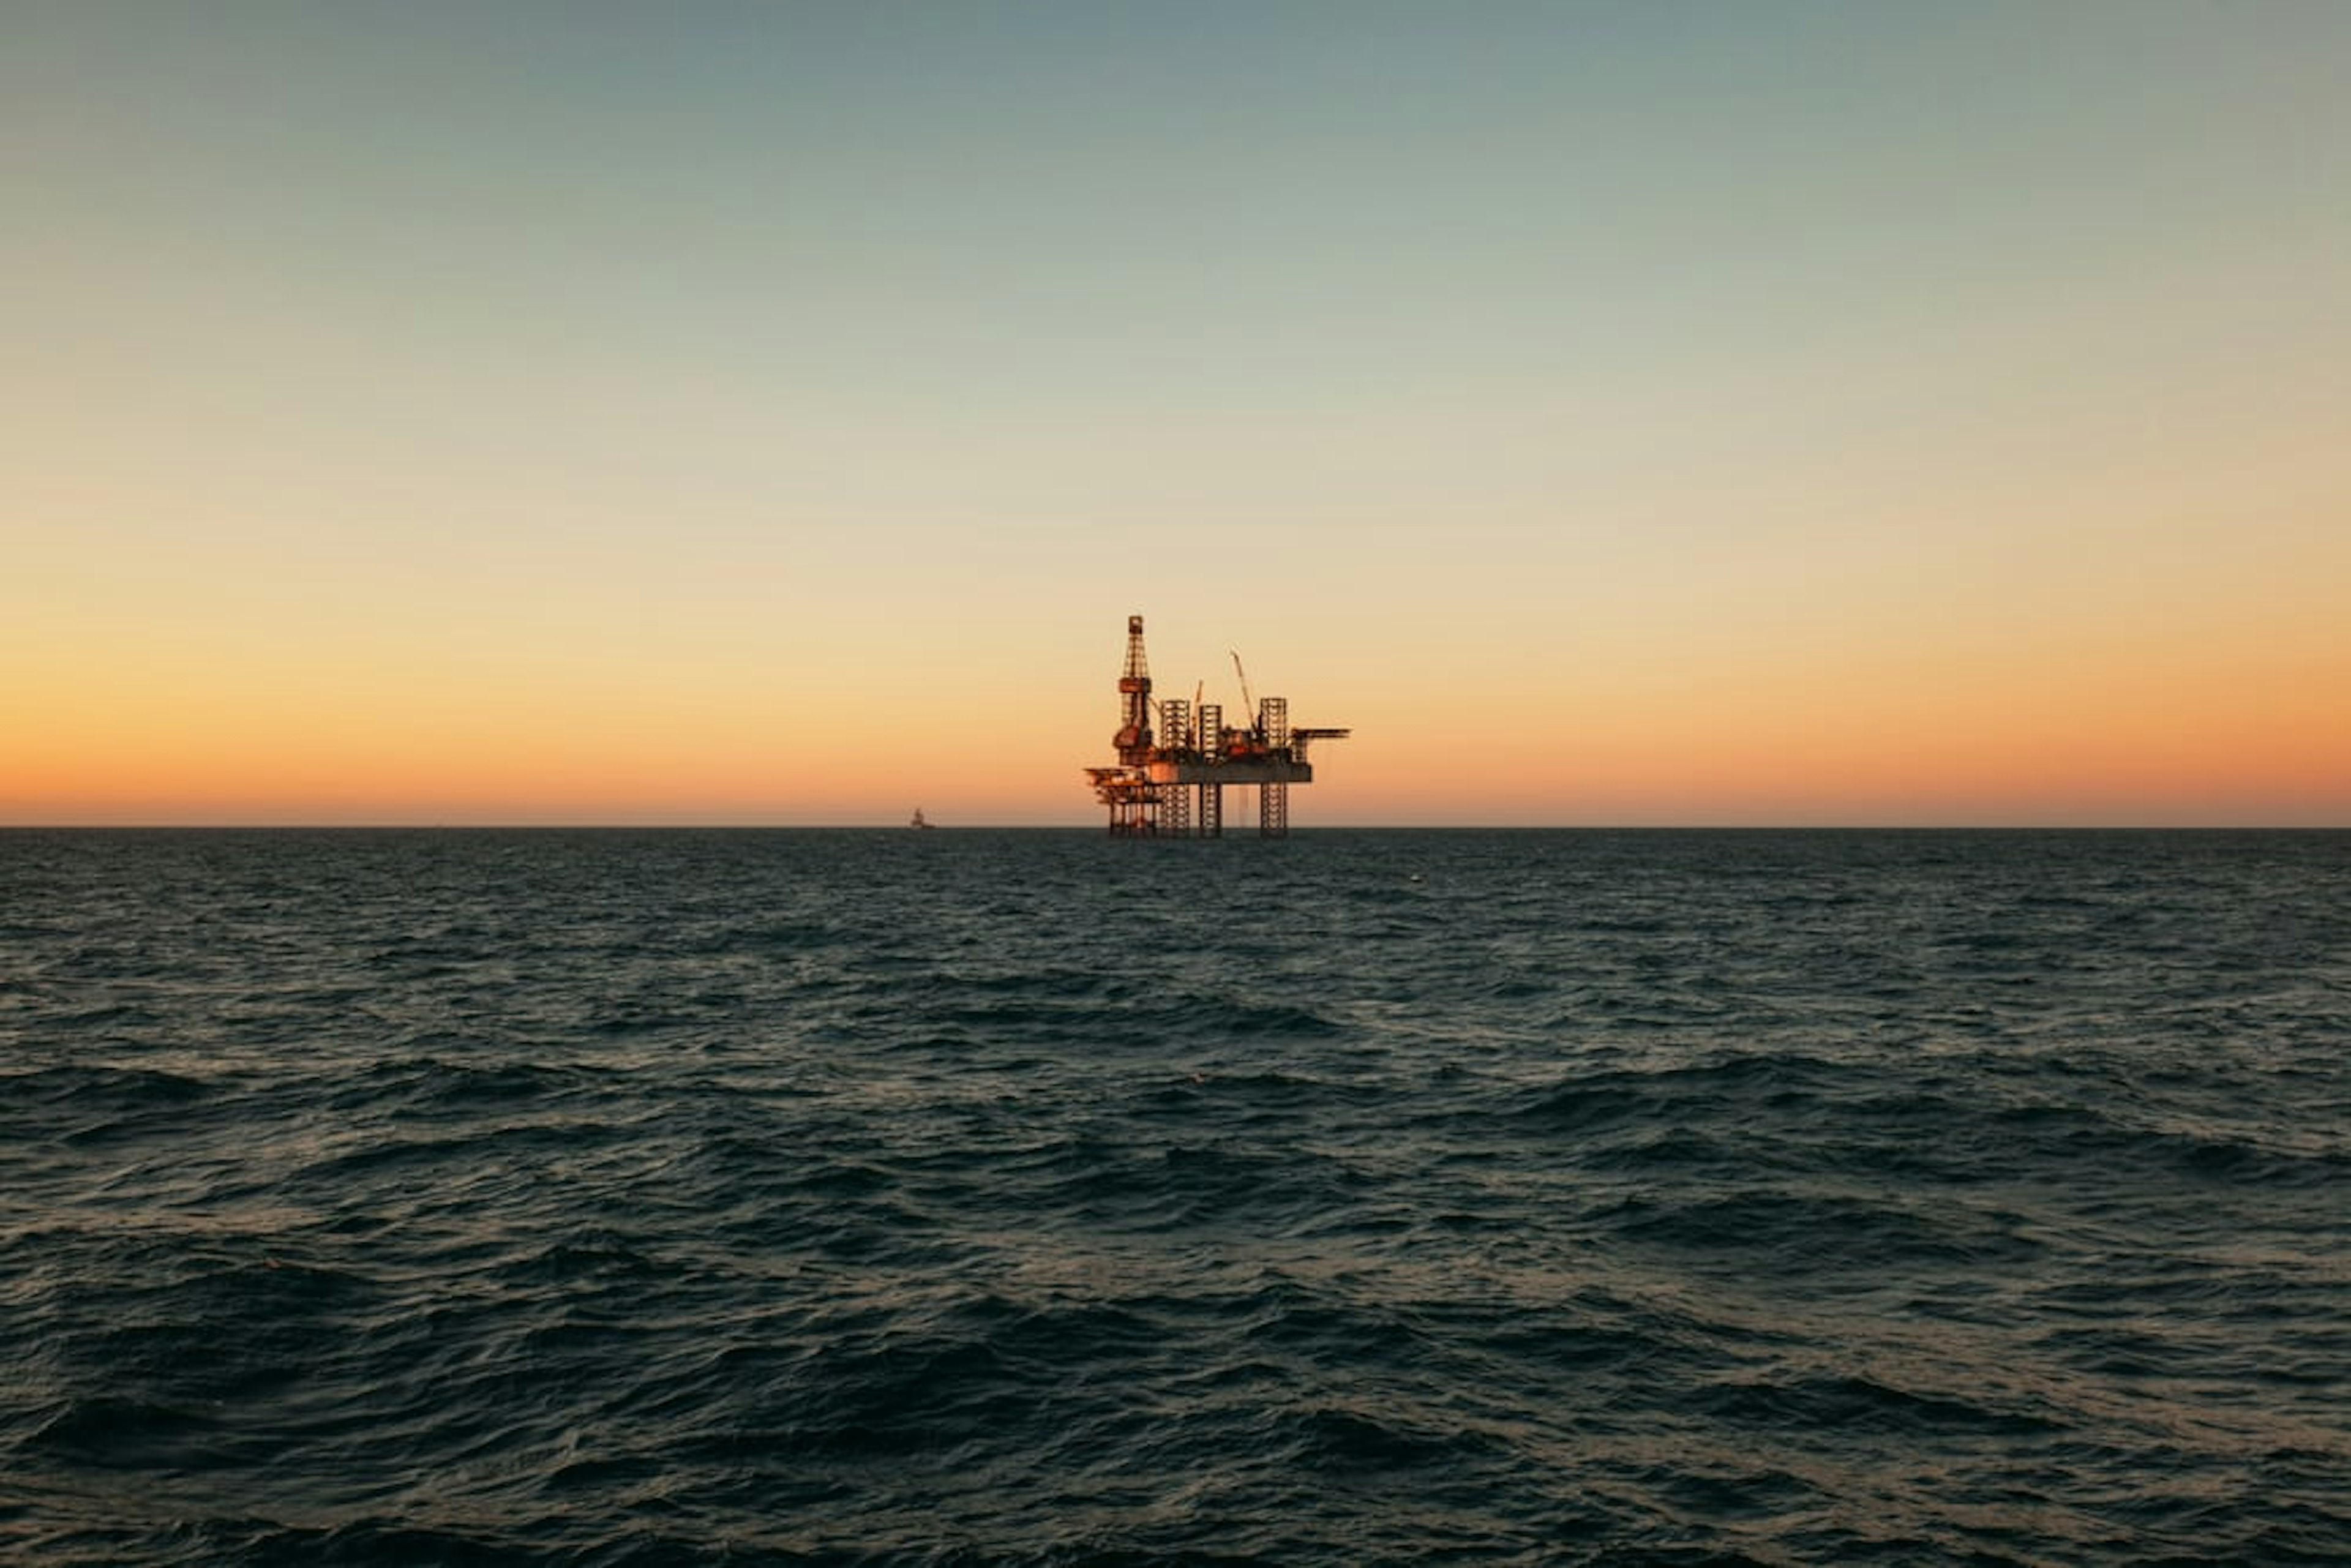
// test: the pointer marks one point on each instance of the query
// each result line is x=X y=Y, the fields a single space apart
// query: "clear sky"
x=1695 y=413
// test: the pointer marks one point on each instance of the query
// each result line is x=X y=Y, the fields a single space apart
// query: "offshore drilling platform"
x=1174 y=760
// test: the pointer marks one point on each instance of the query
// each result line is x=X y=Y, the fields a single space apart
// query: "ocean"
x=979 y=1198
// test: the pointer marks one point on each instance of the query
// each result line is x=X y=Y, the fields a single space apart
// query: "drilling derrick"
x=1127 y=789
x=1133 y=736
x=1170 y=781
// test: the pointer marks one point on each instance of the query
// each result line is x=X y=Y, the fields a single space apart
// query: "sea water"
x=1033 y=1198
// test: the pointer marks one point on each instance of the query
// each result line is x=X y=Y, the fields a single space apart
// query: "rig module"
x=1176 y=758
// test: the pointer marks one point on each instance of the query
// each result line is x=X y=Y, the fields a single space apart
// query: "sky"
x=1696 y=413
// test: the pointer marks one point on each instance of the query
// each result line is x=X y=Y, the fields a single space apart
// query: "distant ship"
x=918 y=821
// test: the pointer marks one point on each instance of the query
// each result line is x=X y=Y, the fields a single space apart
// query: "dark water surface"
x=972 y=1198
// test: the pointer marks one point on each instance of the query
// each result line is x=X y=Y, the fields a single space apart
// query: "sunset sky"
x=770 y=414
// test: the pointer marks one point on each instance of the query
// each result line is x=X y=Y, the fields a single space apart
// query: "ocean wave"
x=580 y=1198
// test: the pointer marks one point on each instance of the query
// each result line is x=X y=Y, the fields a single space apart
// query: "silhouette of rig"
x=1177 y=759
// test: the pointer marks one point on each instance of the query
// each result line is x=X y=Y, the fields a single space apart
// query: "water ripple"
x=625 y=1199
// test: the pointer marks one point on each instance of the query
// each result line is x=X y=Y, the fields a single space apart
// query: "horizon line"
x=1096 y=829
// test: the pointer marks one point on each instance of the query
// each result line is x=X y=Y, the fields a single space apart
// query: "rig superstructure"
x=1176 y=757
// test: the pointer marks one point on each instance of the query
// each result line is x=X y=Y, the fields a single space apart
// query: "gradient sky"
x=1735 y=412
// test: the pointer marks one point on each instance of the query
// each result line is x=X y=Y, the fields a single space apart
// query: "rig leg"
x=1273 y=811
x=1175 y=812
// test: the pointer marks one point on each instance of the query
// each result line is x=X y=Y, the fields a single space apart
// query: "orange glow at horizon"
x=2248 y=744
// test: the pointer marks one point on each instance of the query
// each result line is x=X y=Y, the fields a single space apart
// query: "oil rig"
x=1176 y=757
